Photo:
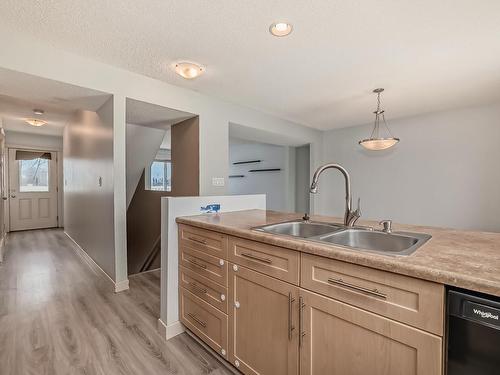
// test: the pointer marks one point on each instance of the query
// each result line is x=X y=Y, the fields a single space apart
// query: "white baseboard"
x=143 y=272
x=2 y=246
x=117 y=287
x=121 y=286
x=171 y=330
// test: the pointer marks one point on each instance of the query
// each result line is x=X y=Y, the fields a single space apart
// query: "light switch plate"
x=218 y=181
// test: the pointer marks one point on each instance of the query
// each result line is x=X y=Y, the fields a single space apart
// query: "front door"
x=32 y=189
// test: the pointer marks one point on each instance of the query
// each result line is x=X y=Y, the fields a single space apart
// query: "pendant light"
x=376 y=142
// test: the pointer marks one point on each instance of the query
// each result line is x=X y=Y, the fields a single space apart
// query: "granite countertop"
x=465 y=259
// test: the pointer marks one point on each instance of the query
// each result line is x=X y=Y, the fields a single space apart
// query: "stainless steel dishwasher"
x=473 y=340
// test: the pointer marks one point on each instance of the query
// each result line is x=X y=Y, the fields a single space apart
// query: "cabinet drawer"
x=412 y=301
x=271 y=260
x=208 y=323
x=207 y=290
x=210 y=242
x=203 y=264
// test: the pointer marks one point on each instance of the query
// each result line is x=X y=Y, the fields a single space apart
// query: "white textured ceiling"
x=21 y=93
x=429 y=55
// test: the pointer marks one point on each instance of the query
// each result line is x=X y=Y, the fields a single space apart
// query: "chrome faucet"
x=350 y=216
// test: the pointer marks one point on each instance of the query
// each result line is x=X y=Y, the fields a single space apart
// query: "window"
x=161 y=175
x=34 y=175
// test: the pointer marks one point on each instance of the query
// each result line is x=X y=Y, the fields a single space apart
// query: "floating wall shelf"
x=246 y=162
x=265 y=170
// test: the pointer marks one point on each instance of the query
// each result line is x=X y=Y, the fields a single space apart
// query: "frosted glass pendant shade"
x=377 y=144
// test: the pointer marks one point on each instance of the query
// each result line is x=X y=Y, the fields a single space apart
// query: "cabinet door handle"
x=256 y=257
x=301 y=321
x=374 y=292
x=197 y=320
x=195 y=263
x=291 y=300
x=203 y=242
x=197 y=289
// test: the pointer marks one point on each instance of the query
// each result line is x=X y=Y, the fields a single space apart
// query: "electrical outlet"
x=218 y=181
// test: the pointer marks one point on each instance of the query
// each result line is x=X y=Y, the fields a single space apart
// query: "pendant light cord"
x=376 y=128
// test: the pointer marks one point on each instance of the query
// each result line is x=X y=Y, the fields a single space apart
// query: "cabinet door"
x=340 y=339
x=263 y=323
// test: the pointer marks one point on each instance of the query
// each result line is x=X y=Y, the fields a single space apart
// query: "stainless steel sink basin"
x=400 y=243
x=300 y=228
x=362 y=238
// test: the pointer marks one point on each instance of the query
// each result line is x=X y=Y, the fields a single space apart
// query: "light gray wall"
x=444 y=172
x=274 y=184
x=88 y=207
x=215 y=115
x=51 y=142
x=142 y=146
x=302 y=178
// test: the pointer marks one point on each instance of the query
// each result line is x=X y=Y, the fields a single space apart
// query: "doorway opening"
x=162 y=152
x=262 y=162
x=34 y=113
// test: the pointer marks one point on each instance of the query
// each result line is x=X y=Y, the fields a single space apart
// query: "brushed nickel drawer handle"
x=291 y=300
x=302 y=333
x=374 y=292
x=197 y=320
x=203 y=242
x=255 y=257
x=197 y=289
x=195 y=263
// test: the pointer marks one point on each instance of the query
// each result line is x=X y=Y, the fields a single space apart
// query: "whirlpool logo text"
x=484 y=314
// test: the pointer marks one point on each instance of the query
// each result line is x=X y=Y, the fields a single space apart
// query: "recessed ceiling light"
x=35 y=122
x=280 y=28
x=188 y=70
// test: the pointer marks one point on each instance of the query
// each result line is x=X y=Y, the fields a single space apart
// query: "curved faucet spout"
x=350 y=216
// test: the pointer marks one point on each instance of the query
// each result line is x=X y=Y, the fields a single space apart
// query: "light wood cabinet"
x=210 y=242
x=208 y=323
x=269 y=310
x=418 y=303
x=271 y=260
x=212 y=268
x=340 y=339
x=263 y=323
x=207 y=290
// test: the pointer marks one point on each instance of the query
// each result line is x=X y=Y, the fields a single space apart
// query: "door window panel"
x=33 y=175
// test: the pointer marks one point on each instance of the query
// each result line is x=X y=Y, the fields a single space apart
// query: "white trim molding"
x=117 y=286
x=2 y=247
x=172 y=330
x=120 y=286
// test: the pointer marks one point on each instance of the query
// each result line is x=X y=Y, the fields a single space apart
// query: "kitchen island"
x=272 y=304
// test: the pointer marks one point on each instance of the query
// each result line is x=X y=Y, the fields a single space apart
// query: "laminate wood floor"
x=59 y=317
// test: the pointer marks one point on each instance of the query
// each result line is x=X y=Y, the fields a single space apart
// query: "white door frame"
x=59 y=180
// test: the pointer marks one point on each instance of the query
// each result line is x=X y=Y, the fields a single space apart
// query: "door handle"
x=290 y=325
x=5 y=198
x=301 y=321
x=12 y=196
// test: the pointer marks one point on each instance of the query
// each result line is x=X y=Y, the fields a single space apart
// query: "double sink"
x=356 y=238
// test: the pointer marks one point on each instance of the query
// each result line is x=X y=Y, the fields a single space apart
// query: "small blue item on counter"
x=211 y=208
